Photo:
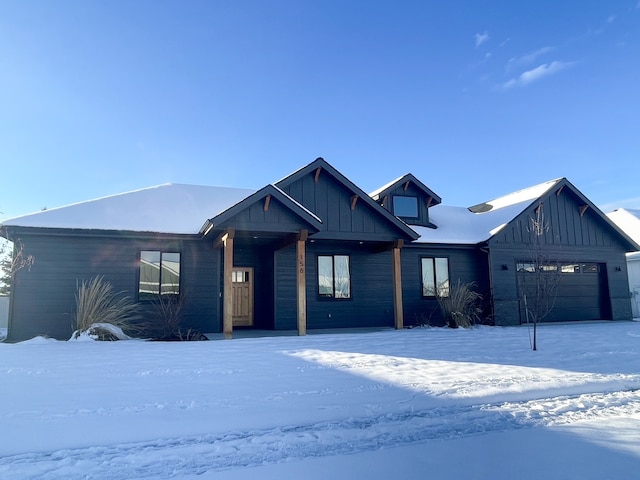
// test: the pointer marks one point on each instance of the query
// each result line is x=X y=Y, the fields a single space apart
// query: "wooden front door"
x=242 y=281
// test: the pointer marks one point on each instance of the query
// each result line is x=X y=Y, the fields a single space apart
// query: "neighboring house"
x=629 y=221
x=315 y=251
x=4 y=313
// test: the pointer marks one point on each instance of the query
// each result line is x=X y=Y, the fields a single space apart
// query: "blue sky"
x=475 y=98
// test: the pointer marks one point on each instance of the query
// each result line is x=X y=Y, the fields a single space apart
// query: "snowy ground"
x=412 y=404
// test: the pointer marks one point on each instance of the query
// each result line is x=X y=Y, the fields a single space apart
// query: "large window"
x=334 y=276
x=405 y=206
x=159 y=274
x=435 y=277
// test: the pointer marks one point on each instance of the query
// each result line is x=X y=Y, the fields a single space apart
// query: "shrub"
x=166 y=315
x=461 y=308
x=97 y=303
x=164 y=319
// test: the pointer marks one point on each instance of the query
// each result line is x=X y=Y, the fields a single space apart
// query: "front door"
x=242 y=282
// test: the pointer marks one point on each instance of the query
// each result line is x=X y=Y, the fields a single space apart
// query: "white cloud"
x=611 y=18
x=480 y=38
x=529 y=58
x=535 y=74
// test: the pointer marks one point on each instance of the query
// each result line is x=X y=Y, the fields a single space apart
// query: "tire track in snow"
x=194 y=455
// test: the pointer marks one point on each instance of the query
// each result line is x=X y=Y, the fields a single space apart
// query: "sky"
x=475 y=98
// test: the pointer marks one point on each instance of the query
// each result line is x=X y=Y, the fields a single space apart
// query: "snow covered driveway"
x=267 y=406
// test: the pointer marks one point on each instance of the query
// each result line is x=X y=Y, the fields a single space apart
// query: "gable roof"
x=408 y=178
x=168 y=208
x=476 y=224
x=296 y=208
x=628 y=220
x=353 y=188
x=479 y=223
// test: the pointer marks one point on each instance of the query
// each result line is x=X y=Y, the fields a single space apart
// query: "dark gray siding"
x=371 y=302
x=571 y=237
x=276 y=219
x=331 y=201
x=44 y=296
x=465 y=264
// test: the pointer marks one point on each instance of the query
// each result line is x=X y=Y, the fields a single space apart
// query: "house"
x=313 y=251
x=629 y=222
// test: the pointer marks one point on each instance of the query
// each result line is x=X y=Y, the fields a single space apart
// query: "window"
x=334 y=276
x=570 y=268
x=159 y=274
x=525 y=267
x=435 y=277
x=405 y=206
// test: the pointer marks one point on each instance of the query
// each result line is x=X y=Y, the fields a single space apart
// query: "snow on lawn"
x=417 y=403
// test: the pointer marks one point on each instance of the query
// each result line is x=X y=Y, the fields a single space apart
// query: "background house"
x=629 y=221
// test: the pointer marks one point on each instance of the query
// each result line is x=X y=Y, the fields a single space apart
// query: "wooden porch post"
x=301 y=292
x=397 y=286
x=227 y=305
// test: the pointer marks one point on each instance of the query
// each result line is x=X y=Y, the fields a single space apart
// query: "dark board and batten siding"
x=44 y=296
x=468 y=265
x=276 y=218
x=572 y=236
x=332 y=202
x=371 y=302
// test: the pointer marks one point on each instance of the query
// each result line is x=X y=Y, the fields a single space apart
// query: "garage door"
x=581 y=291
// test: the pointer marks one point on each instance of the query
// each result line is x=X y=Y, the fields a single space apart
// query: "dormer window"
x=405 y=206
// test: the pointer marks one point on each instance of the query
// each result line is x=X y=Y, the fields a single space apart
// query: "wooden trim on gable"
x=354 y=200
x=583 y=208
x=267 y=201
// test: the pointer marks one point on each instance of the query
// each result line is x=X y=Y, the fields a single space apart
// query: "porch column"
x=227 y=305
x=397 y=286
x=301 y=290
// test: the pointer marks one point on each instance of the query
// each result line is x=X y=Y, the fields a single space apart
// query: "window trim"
x=434 y=268
x=333 y=296
x=149 y=296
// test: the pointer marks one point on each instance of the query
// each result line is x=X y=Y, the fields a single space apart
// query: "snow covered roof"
x=168 y=208
x=528 y=194
x=468 y=226
x=628 y=220
x=377 y=192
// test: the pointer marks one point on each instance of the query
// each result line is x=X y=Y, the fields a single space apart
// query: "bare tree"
x=11 y=261
x=538 y=279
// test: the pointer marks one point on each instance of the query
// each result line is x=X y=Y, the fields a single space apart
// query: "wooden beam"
x=398 y=313
x=406 y=185
x=559 y=190
x=228 y=233
x=385 y=199
x=317 y=175
x=301 y=289
x=267 y=201
x=227 y=305
x=583 y=208
x=354 y=200
x=429 y=201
